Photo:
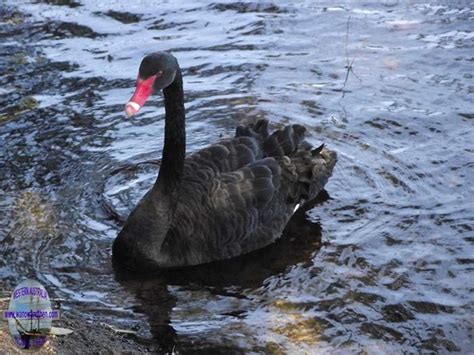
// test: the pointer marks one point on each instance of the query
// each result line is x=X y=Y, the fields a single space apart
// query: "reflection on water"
x=392 y=274
x=225 y=283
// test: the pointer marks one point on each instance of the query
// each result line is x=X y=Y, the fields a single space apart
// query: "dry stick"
x=348 y=64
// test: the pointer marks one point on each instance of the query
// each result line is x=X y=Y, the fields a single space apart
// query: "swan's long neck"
x=174 y=150
x=142 y=237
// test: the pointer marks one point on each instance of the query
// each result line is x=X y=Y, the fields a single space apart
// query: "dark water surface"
x=384 y=265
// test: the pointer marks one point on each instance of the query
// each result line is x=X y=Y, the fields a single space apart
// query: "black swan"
x=223 y=201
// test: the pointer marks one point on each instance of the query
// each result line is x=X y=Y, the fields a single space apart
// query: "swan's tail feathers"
x=305 y=168
x=313 y=169
x=261 y=127
x=316 y=151
x=285 y=141
x=257 y=130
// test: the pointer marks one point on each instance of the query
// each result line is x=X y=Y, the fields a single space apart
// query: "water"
x=384 y=265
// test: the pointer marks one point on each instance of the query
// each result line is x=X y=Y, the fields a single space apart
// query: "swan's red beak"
x=142 y=92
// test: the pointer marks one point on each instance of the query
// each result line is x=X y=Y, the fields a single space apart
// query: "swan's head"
x=157 y=71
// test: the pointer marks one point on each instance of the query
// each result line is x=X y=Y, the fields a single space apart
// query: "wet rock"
x=69 y=3
x=435 y=343
x=243 y=7
x=469 y=116
x=313 y=107
x=252 y=29
x=348 y=316
x=229 y=47
x=465 y=261
x=330 y=304
x=6 y=118
x=390 y=240
x=10 y=16
x=430 y=308
x=28 y=103
x=66 y=30
x=379 y=331
x=365 y=297
x=162 y=25
x=12 y=22
x=57 y=30
x=396 y=313
x=219 y=69
x=17 y=107
x=375 y=124
x=124 y=17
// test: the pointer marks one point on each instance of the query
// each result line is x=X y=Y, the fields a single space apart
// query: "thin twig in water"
x=347 y=41
x=348 y=62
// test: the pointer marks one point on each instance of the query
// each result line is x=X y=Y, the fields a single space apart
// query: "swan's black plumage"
x=222 y=201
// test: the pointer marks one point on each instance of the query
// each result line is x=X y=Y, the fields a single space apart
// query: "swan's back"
x=238 y=195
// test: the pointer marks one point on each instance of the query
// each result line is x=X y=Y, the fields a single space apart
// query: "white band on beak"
x=135 y=106
x=131 y=108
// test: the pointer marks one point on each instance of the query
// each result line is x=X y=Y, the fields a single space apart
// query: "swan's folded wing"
x=242 y=203
x=225 y=156
x=252 y=186
x=251 y=144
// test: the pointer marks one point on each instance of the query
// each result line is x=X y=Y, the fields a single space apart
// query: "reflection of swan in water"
x=223 y=201
x=156 y=302
x=300 y=240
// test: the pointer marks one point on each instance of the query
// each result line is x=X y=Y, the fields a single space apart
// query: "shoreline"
x=86 y=338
